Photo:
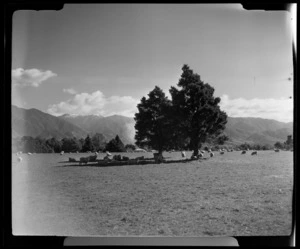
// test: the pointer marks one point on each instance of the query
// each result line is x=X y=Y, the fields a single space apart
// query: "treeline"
x=287 y=145
x=244 y=146
x=94 y=143
x=247 y=146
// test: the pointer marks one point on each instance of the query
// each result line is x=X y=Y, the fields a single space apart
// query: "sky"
x=102 y=59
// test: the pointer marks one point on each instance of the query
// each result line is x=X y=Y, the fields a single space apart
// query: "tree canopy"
x=98 y=141
x=115 y=145
x=198 y=112
x=152 y=121
x=88 y=145
x=186 y=121
x=70 y=145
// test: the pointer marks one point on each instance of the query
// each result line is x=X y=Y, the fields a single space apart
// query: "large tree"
x=153 y=121
x=198 y=115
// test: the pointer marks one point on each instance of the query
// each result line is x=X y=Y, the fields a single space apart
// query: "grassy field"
x=227 y=195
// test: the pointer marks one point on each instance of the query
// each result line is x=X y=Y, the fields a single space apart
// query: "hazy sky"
x=103 y=58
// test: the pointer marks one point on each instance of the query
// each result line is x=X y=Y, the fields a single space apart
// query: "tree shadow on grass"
x=145 y=159
x=128 y=163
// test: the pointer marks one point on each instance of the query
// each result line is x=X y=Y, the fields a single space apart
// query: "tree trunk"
x=195 y=146
x=196 y=151
x=158 y=157
x=160 y=152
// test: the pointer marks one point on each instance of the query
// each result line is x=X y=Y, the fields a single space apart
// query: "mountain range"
x=33 y=122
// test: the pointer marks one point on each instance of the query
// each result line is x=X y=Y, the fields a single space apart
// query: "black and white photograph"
x=152 y=120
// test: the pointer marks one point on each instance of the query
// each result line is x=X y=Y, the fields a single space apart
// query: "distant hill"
x=257 y=130
x=108 y=126
x=33 y=122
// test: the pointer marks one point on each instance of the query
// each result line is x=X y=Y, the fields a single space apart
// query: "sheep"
x=254 y=153
x=211 y=154
x=117 y=157
x=72 y=159
x=276 y=150
x=83 y=160
x=243 y=152
x=92 y=158
x=29 y=153
x=20 y=159
x=200 y=155
x=107 y=153
x=106 y=158
x=62 y=152
x=222 y=152
x=183 y=154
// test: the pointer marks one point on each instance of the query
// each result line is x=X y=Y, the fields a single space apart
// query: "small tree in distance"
x=279 y=145
x=115 y=145
x=98 y=141
x=130 y=147
x=88 y=145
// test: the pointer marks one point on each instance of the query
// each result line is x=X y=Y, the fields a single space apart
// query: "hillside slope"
x=33 y=122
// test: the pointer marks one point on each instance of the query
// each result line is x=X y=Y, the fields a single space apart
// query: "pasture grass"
x=227 y=195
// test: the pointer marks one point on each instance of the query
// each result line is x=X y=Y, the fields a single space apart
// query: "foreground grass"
x=229 y=195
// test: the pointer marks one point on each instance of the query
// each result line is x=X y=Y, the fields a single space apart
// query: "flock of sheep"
x=222 y=152
x=93 y=158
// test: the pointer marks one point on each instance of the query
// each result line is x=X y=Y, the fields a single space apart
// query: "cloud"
x=278 y=109
x=95 y=103
x=70 y=91
x=30 y=77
